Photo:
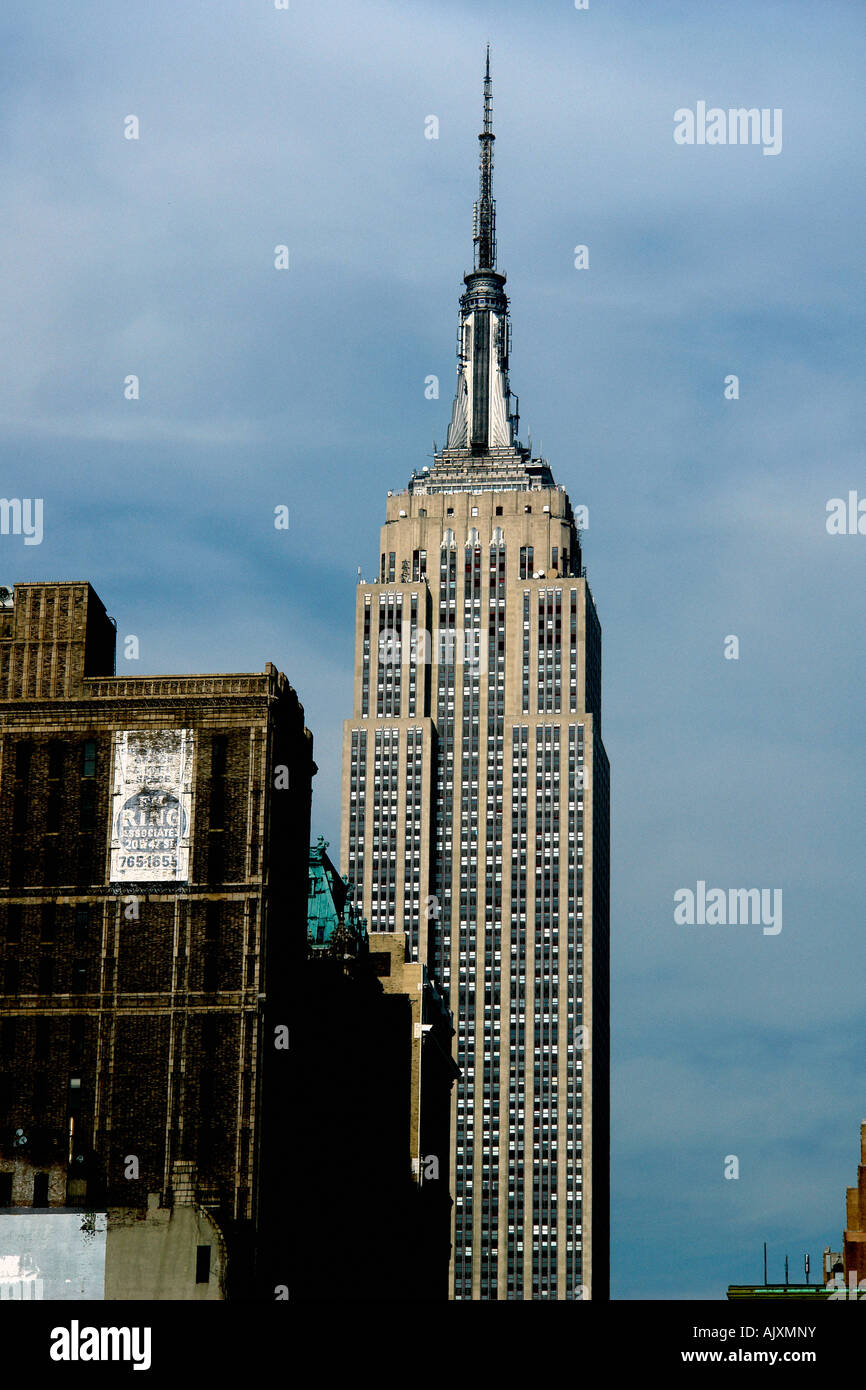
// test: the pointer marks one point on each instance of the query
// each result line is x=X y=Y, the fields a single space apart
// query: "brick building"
x=854 y=1247
x=153 y=872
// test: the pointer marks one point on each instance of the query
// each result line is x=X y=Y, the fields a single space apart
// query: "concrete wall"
x=152 y=1254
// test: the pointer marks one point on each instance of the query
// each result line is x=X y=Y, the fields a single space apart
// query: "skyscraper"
x=476 y=812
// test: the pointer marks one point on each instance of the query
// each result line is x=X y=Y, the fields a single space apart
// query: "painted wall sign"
x=151 y=806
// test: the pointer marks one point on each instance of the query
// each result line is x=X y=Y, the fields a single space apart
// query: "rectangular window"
x=40 y=1190
x=219 y=755
x=210 y=982
x=5 y=1189
x=202 y=1264
x=81 y=931
x=49 y=916
x=76 y=1040
x=216 y=857
x=52 y=810
x=88 y=759
x=13 y=923
x=23 y=754
x=88 y=806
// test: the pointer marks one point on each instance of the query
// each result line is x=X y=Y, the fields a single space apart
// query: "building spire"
x=484 y=232
x=484 y=416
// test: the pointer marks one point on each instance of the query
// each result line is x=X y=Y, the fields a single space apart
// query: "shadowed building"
x=153 y=846
x=476 y=813
x=372 y=1077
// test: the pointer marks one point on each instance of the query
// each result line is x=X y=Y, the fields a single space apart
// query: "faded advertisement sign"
x=52 y=1255
x=151 y=805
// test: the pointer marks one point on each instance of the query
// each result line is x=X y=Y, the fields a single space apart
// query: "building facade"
x=476 y=813
x=153 y=870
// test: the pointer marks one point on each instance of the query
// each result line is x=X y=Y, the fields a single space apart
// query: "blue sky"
x=707 y=517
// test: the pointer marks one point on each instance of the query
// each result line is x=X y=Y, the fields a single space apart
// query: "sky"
x=305 y=387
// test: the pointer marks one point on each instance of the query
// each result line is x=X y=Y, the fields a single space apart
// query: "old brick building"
x=153 y=871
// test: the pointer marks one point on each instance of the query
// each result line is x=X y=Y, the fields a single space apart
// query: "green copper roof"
x=329 y=903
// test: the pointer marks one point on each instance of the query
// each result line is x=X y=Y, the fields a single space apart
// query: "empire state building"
x=475 y=806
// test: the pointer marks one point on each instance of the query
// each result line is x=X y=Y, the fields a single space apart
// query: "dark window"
x=211 y=970
x=5 y=1189
x=40 y=1190
x=82 y=924
x=56 y=754
x=40 y=1092
x=202 y=1264
x=88 y=805
x=43 y=1037
x=11 y=977
x=212 y=921
x=23 y=754
x=79 y=976
x=7 y=1038
x=19 y=812
x=76 y=1039
x=49 y=916
x=46 y=975
x=498 y=511
x=52 y=811
x=219 y=755
x=13 y=923
x=88 y=759
x=219 y=758
x=216 y=857
x=51 y=864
